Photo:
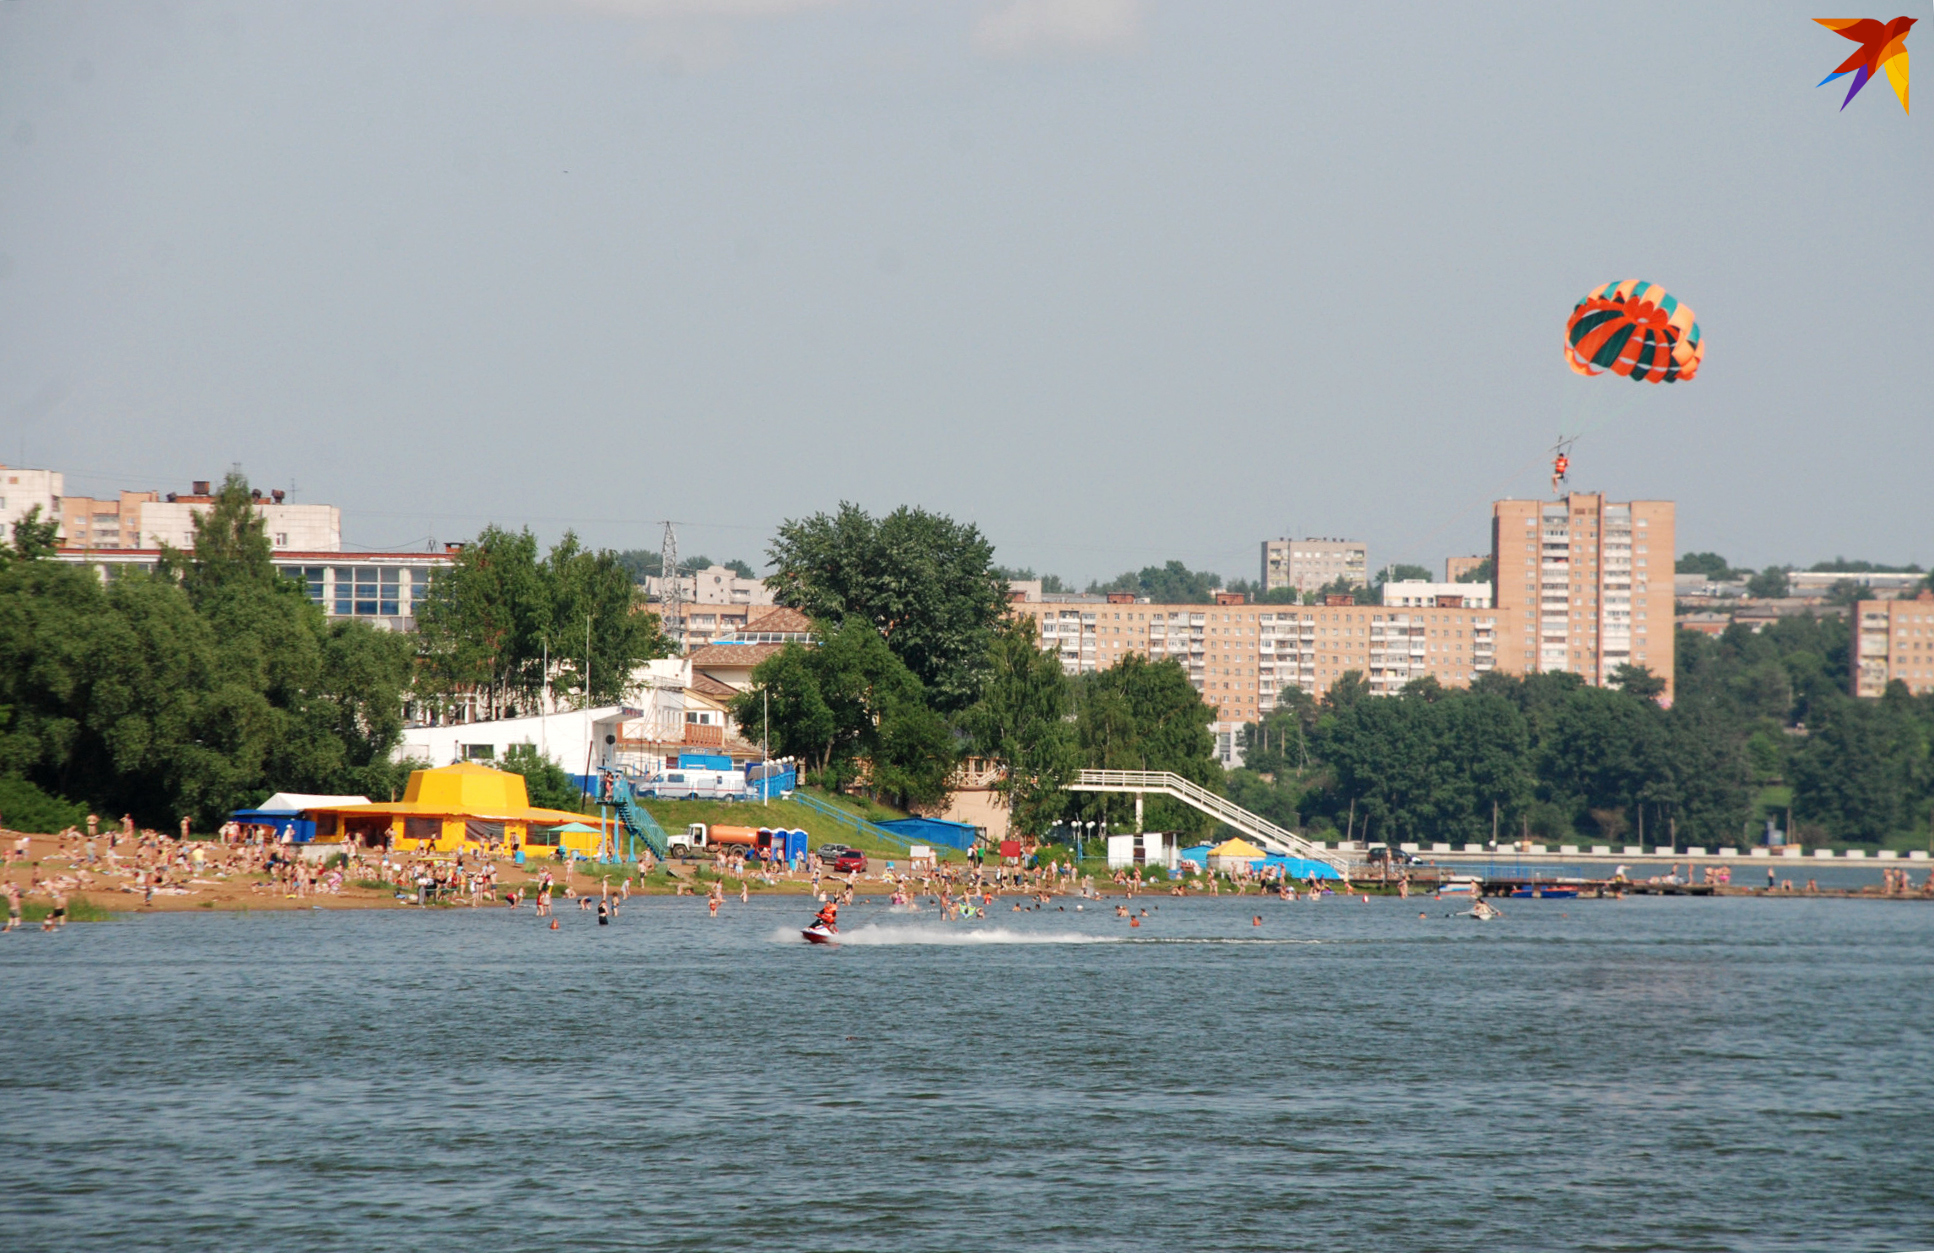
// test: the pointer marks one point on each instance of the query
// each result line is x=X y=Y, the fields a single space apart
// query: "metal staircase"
x=1275 y=839
x=638 y=821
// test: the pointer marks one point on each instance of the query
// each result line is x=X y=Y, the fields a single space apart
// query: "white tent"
x=299 y=802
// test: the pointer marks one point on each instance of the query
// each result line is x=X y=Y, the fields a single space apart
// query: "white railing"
x=1275 y=839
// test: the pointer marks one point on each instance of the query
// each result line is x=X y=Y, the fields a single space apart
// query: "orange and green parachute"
x=1636 y=329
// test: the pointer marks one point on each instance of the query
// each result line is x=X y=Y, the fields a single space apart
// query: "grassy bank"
x=79 y=909
x=820 y=828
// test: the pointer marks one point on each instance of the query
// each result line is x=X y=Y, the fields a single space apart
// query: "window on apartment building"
x=281 y=539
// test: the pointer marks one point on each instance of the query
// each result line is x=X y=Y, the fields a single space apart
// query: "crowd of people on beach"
x=150 y=863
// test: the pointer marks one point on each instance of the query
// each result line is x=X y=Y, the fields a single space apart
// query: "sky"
x=1120 y=281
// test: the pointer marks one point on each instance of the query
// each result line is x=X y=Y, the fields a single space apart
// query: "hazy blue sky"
x=1119 y=281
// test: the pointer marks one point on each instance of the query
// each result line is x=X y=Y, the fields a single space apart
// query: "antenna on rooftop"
x=670 y=591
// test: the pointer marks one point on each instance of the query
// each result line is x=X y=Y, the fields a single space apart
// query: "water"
x=1649 y=1074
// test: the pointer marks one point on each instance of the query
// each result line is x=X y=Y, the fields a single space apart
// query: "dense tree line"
x=1545 y=756
x=1859 y=769
x=194 y=689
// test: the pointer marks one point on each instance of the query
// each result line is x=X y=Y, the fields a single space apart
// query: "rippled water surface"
x=1647 y=1074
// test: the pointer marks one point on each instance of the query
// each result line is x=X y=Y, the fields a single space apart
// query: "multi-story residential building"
x=1578 y=579
x=297 y=528
x=1310 y=565
x=1456 y=568
x=1241 y=656
x=381 y=588
x=1893 y=640
x=21 y=490
x=1418 y=593
x=148 y=520
x=98 y=522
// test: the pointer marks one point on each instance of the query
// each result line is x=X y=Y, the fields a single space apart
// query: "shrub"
x=24 y=807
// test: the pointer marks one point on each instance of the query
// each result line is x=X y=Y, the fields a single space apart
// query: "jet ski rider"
x=828 y=916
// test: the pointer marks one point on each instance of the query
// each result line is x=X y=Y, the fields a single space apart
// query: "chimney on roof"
x=277 y=495
x=198 y=488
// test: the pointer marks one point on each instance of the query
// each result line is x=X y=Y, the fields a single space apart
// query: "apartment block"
x=21 y=490
x=1456 y=568
x=1577 y=579
x=1241 y=657
x=139 y=520
x=91 y=522
x=1309 y=565
x=1894 y=640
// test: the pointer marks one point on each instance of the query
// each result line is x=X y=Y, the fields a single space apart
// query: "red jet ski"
x=825 y=928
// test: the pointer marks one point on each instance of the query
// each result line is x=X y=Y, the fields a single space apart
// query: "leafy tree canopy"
x=195 y=690
x=1841 y=565
x=1022 y=722
x=926 y=583
x=1169 y=584
x=496 y=618
x=854 y=712
x=1480 y=573
x=1769 y=583
x=1712 y=565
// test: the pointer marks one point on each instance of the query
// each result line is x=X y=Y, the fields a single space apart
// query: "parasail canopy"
x=1637 y=329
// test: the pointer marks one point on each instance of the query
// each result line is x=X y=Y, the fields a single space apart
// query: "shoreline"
x=107 y=888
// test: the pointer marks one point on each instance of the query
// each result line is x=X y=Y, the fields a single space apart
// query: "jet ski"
x=820 y=933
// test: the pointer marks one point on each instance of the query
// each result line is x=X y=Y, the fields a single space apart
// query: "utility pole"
x=670 y=591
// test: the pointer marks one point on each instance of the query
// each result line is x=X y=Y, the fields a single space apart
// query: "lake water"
x=1667 y=1073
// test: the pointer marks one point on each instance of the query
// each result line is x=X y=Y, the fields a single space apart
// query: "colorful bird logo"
x=1880 y=45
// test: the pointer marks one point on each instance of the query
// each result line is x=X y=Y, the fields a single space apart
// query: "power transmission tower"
x=670 y=591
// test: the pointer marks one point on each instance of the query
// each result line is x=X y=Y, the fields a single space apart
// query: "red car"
x=849 y=861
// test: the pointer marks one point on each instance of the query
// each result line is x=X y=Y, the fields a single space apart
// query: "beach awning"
x=574 y=828
x=1236 y=848
x=288 y=804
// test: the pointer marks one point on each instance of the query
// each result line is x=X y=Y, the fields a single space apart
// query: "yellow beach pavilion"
x=462 y=808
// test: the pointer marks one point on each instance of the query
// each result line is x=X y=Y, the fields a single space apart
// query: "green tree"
x=1863 y=772
x=505 y=625
x=1480 y=573
x=1144 y=715
x=1023 y=721
x=34 y=537
x=925 y=582
x=546 y=782
x=853 y=711
x=1712 y=565
x=194 y=690
x=1768 y=584
x=1171 y=583
x=1637 y=681
x=1401 y=571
